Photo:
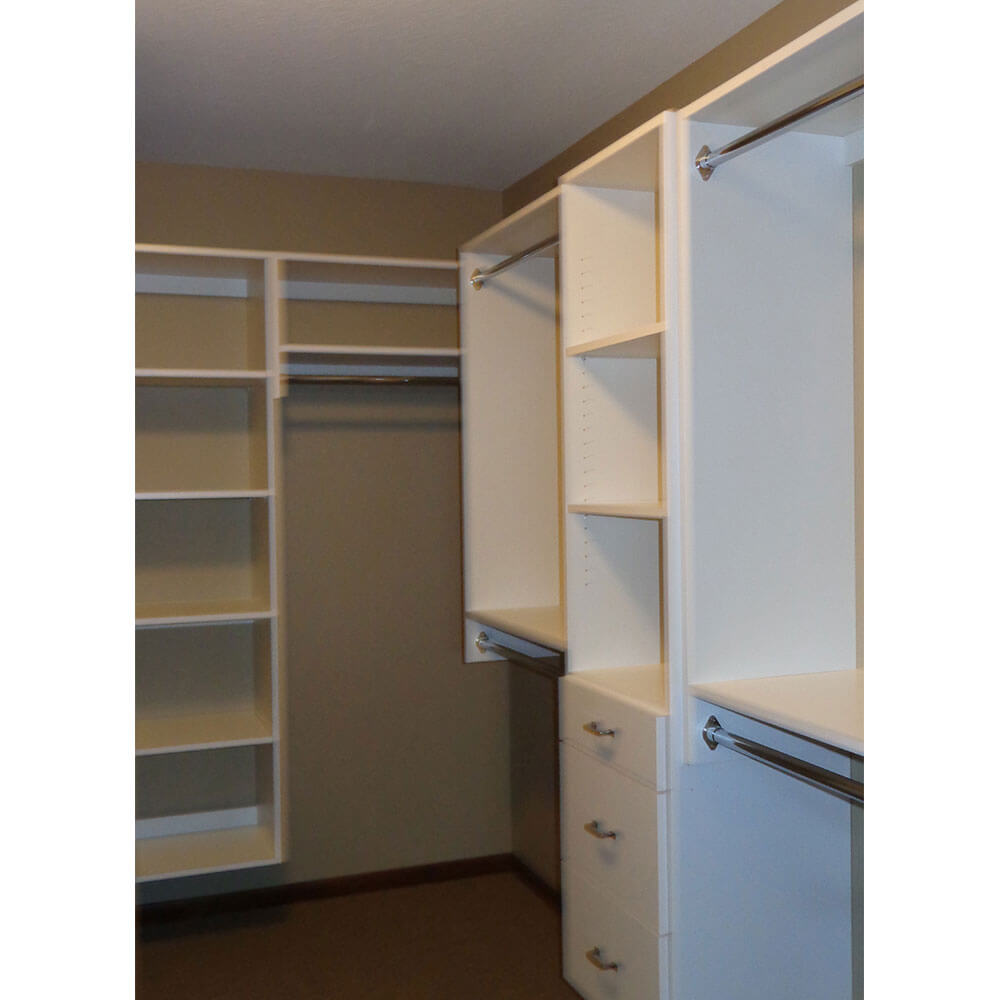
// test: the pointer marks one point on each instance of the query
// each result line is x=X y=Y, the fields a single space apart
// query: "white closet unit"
x=762 y=596
x=512 y=486
x=613 y=701
x=706 y=346
x=218 y=333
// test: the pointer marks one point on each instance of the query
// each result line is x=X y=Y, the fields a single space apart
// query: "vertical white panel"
x=771 y=570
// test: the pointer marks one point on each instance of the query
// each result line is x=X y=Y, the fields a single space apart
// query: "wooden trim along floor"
x=345 y=885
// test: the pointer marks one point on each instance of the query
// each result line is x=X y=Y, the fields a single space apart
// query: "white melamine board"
x=762 y=876
x=510 y=447
x=632 y=865
x=768 y=322
x=387 y=271
x=200 y=853
x=609 y=262
x=535 y=645
x=530 y=225
x=546 y=626
x=631 y=163
x=648 y=511
x=829 y=55
x=642 y=342
x=157 y=614
x=828 y=707
x=200 y=732
x=611 y=419
x=340 y=353
x=193 y=376
x=613 y=593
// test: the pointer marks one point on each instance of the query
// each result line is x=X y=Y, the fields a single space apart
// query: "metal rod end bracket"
x=706 y=170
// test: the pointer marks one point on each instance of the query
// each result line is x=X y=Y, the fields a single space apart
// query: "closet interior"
x=660 y=402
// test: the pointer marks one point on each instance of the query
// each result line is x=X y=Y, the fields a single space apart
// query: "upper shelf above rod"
x=706 y=161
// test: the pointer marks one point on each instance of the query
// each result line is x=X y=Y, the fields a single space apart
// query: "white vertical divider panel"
x=274 y=336
x=510 y=438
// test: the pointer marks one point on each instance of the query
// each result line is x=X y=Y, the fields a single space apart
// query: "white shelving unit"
x=208 y=682
x=217 y=333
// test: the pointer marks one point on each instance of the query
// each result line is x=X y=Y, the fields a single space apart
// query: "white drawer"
x=632 y=865
x=638 y=745
x=592 y=920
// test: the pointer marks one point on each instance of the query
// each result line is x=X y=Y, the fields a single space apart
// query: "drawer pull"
x=594 y=829
x=595 y=730
x=594 y=957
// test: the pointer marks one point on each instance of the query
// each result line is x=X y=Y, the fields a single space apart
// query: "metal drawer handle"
x=595 y=730
x=594 y=829
x=594 y=957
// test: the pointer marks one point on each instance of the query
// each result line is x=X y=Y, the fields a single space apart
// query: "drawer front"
x=631 y=866
x=592 y=920
x=638 y=743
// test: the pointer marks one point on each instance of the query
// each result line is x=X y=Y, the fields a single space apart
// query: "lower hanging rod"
x=549 y=667
x=372 y=379
x=706 y=161
x=477 y=277
x=819 y=777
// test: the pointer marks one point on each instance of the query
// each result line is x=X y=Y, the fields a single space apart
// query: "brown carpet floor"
x=490 y=937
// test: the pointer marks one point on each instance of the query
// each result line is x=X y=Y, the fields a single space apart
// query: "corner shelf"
x=200 y=612
x=233 y=378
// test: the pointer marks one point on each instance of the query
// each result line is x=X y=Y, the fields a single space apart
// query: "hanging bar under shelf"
x=372 y=379
x=706 y=161
x=477 y=277
x=551 y=667
x=819 y=777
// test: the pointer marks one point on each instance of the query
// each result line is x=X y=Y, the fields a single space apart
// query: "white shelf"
x=546 y=626
x=537 y=221
x=204 y=495
x=828 y=706
x=201 y=853
x=227 y=378
x=643 y=686
x=200 y=732
x=640 y=342
x=349 y=354
x=180 y=613
x=649 y=511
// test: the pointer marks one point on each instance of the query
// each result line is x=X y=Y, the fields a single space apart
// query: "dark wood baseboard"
x=298 y=892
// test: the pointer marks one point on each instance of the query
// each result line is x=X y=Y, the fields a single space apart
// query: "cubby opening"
x=201 y=685
x=198 y=557
x=196 y=313
x=197 y=437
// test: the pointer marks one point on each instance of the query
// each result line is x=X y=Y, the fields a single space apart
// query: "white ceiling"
x=473 y=92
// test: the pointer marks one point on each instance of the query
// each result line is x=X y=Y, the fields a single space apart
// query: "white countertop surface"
x=828 y=707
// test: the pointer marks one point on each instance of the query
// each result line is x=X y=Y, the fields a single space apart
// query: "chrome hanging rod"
x=372 y=379
x=549 y=667
x=477 y=277
x=819 y=777
x=706 y=161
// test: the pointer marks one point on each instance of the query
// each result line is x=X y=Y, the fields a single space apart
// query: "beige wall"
x=268 y=210
x=768 y=33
